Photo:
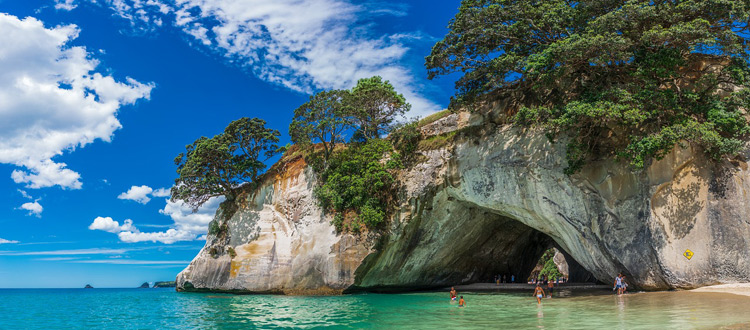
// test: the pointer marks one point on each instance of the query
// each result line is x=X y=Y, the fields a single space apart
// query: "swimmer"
x=453 y=293
x=461 y=302
x=539 y=293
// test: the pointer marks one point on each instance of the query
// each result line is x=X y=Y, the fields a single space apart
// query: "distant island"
x=164 y=284
x=88 y=286
x=145 y=285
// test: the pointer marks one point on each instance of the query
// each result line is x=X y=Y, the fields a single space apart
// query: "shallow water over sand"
x=166 y=309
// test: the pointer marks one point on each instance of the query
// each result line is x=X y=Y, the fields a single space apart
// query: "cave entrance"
x=459 y=243
x=506 y=250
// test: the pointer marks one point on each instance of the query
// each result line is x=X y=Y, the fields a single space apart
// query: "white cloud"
x=141 y=194
x=167 y=237
x=5 y=241
x=188 y=226
x=137 y=193
x=65 y=4
x=24 y=194
x=34 y=208
x=109 y=225
x=304 y=45
x=52 y=100
x=162 y=192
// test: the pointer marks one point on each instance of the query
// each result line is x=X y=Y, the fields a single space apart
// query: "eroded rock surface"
x=490 y=203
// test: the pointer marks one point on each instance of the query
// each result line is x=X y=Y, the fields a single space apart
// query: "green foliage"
x=213 y=227
x=550 y=268
x=433 y=117
x=359 y=181
x=217 y=166
x=624 y=78
x=324 y=118
x=232 y=252
x=405 y=138
x=375 y=105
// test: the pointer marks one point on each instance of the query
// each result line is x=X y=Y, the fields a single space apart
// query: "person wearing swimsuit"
x=539 y=293
x=461 y=302
x=453 y=293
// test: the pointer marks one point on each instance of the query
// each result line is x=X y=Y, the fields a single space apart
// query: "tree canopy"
x=375 y=106
x=629 y=78
x=216 y=166
x=324 y=118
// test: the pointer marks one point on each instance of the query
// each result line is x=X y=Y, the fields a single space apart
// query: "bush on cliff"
x=357 y=186
x=622 y=78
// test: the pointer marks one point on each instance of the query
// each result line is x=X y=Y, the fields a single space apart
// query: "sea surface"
x=167 y=309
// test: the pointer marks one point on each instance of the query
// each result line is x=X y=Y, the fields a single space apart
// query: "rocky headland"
x=484 y=198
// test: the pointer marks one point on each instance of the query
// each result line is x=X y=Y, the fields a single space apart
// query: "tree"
x=252 y=140
x=376 y=105
x=323 y=118
x=216 y=166
x=623 y=78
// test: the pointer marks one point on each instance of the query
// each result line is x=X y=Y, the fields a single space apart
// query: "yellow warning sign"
x=688 y=254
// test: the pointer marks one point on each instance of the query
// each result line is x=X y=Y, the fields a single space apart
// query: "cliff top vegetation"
x=630 y=79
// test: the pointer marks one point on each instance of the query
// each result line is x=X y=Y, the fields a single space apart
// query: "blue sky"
x=97 y=97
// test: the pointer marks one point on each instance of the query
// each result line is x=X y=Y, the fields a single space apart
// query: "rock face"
x=490 y=202
x=145 y=285
x=277 y=241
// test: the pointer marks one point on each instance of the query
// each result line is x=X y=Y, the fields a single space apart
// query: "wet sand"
x=742 y=289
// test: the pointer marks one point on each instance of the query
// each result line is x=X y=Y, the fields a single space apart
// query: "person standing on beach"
x=539 y=293
x=513 y=278
x=624 y=285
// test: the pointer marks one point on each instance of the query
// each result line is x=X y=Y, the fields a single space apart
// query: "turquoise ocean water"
x=166 y=309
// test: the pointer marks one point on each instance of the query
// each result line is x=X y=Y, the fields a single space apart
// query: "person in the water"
x=461 y=302
x=453 y=293
x=618 y=284
x=539 y=293
x=550 y=288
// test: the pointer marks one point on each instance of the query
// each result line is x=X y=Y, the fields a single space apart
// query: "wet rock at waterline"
x=489 y=202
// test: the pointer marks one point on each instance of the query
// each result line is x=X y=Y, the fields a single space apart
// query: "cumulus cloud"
x=188 y=226
x=143 y=194
x=304 y=45
x=137 y=193
x=34 y=208
x=52 y=100
x=109 y=225
x=5 y=241
x=162 y=192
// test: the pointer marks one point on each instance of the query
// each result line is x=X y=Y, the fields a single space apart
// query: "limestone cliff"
x=490 y=201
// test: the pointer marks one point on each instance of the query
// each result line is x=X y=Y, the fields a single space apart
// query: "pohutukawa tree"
x=376 y=105
x=625 y=78
x=324 y=118
x=217 y=166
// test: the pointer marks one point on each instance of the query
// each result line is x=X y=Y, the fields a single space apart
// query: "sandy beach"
x=742 y=289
